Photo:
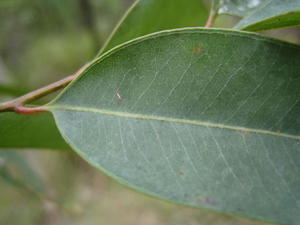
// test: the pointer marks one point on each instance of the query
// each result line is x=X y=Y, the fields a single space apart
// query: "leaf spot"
x=198 y=49
x=207 y=201
x=181 y=172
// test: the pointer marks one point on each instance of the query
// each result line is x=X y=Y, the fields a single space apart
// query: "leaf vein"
x=169 y=119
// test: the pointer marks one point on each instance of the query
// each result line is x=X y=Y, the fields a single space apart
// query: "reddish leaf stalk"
x=17 y=105
x=212 y=15
x=28 y=111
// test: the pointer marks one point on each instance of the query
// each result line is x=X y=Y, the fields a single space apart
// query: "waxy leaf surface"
x=19 y=131
x=262 y=14
x=23 y=131
x=205 y=118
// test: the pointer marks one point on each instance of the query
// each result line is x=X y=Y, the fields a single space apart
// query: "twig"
x=17 y=105
x=212 y=14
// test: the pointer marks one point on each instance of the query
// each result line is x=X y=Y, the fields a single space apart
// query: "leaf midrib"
x=169 y=119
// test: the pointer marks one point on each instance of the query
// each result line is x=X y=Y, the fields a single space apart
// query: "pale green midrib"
x=168 y=119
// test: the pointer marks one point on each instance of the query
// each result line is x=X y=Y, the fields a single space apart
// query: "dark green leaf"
x=148 y=16
x=19 y=131
x=9 y=90
x=39 y=131
x=206 y=118
x=263 y=14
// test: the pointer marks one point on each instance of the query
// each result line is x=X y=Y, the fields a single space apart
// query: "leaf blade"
x=39 y=132
x=193 y=75
x=264 y=14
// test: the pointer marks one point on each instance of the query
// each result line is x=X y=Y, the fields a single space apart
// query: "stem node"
x=17 y=105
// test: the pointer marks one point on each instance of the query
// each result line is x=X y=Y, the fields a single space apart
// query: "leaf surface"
x=263 y=14
x=38 y=131
x=205 y=118
x=19 y=131
x=148 y=16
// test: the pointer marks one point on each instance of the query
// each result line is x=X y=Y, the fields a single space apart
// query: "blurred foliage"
x=42 y=41
x=22 y=175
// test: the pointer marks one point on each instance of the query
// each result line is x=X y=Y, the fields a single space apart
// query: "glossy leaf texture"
x=23 y=131
x=239 y=8
x=148 y=16
x=205 y=118
x=262 y=14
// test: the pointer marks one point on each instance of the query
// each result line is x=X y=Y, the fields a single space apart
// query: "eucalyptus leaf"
x=262 y=14
x=19 y=131
x=148 y=16
x=203 y=117
x=10 y=90
x=239 y=8
x=23 y=131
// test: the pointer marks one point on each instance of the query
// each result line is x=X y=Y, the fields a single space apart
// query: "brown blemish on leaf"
x=181 y=172
x=198 y=49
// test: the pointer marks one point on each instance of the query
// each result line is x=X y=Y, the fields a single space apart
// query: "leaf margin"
x=129 y=185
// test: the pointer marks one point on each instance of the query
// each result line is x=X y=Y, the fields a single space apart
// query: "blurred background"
x=42 y=41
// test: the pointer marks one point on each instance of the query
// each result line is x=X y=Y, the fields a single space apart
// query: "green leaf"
x=148 y=16
x=205 y=118
x=9 y=90
x=239 y=8
x=263 y=14
x=19 y=131
x=22 y=131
